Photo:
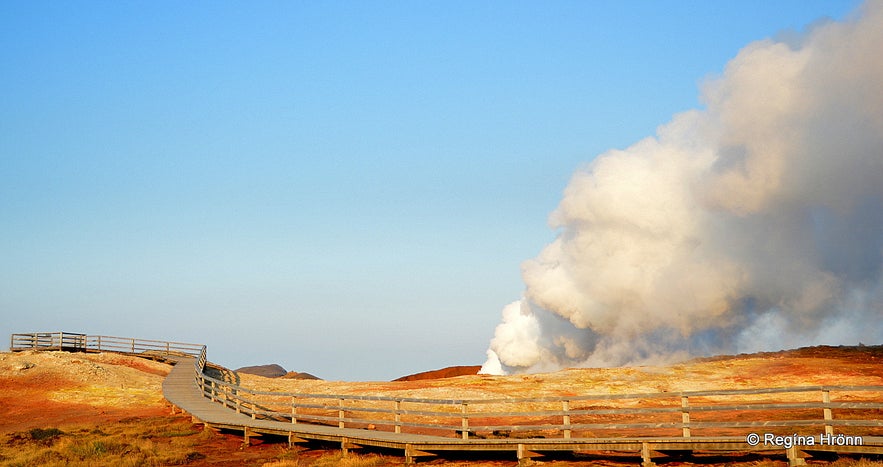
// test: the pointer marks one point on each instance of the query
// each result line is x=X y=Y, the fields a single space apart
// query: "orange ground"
x=56 y=389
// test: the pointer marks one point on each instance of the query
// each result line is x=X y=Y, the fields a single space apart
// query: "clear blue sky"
x=343 y=188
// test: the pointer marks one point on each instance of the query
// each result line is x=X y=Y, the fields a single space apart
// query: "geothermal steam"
x=754 y=224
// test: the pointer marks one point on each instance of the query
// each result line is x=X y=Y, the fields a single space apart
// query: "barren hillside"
x=802 y=367
x=107 y=408
x=39 y=389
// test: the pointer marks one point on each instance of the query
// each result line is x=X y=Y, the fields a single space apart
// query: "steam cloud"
x=754 y=224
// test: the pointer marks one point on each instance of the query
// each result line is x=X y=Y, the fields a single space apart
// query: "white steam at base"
x=754 y=224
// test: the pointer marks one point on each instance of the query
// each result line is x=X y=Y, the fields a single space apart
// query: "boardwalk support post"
x=294 y=439
x=646 y=461
x=346 y=445
x=524 y=454
x=795 y=456
x=411 y=454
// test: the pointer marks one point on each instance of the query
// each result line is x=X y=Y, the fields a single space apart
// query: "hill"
x=448 y=372
x=106 y=409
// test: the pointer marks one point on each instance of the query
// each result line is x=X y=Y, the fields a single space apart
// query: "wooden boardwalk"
x=181 y=389
x=221 y=404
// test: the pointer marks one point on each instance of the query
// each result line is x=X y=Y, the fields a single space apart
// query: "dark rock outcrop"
x=296 y=375
x=448 y=372
x=267 y=371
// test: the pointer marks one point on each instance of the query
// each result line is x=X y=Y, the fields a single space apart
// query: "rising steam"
x=754 y=224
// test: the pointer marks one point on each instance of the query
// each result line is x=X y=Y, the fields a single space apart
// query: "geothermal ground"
x=61 y=408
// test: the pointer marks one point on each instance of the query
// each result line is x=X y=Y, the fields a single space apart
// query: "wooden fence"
x=811 y=410
x=89 y=343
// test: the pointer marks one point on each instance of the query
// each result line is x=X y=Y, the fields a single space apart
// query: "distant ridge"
x=267 y=371
x=274 y=371
x=448 y=372
x=296 y=375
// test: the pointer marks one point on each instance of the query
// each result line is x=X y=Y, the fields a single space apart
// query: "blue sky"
x=343 y=188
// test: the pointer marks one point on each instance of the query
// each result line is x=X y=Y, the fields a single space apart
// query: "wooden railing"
x=83 y=342
x=804 y=410
x=47 y=340
x=810 y=410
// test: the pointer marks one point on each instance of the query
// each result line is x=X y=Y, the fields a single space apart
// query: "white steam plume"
x=754 y=224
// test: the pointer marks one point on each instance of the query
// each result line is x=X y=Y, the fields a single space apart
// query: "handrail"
x=675 y=415
x=98 y=343
x=651 y=395
x=84 y=342
x=568 y=418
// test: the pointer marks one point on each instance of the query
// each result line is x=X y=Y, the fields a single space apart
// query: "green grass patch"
x=171 y=442
x=45 y=434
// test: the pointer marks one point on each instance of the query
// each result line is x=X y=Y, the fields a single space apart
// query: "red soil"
x=25 y=402
x=448 y=372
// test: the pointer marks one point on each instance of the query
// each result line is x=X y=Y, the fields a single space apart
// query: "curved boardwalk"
x=223 y=405
x=181 y=390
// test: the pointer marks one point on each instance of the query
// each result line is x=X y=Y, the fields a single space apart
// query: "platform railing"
x=47 y=341
x=83 y=342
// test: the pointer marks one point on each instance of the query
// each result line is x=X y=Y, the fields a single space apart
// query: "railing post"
x=99 y=343
x=464 y=425
x=293 y=409
x=826 y=399
x=340 y=414
x=685 y=415
x=398 y=427
x=566 y=407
